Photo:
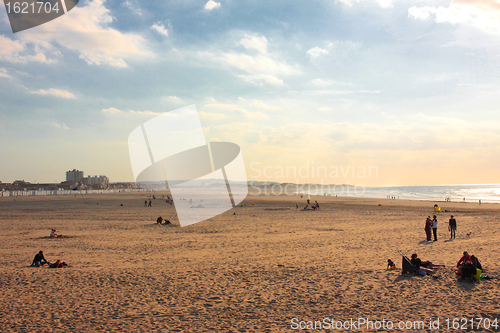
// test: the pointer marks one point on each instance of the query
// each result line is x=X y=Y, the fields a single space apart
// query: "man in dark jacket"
x=39 y=259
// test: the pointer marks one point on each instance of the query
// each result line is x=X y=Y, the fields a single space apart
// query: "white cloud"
x=12 y=50
x=381 y=3
x=259 y=79
x=212 y=5
x=262 y=68
x=160 y=28
x=55 y=92
x=316 y=52
x=4 y=73
x=262 y=105
x=481 y=14
x=258 y=64
x=324 y=109
x=63 y=126
x=134 y=7
x=148 y=113
x=211 y=116
x=322 y=83
x=256 y=43
x=111 y=110
x=245 y=113
x=85 y=30
x=174 y=100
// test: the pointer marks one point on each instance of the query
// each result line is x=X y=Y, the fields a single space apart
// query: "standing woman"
x=435 y=227
x=428 y=226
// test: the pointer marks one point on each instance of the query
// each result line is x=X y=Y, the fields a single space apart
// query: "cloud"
x=261 y=68
x=381 y=3
x=160 y=28
x=324 y=109
x=259 y=79
x=258 y=64
x=482 y=14
x=245 y=113
x=212 y=5
x=11 y=50
x=255 y=43
x=322 y=83
x=4 y=73
x=55 y=92
x=134 y=7
x=148 y=113
x=111 y=110
x=174 y=100
x=211 y=116
x=316 y=52
x=85 y=30
x=63 y=126
x=262 y=105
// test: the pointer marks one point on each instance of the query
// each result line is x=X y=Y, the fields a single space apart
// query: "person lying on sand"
x=39 y=259
x=425 y=266
x=58 y=264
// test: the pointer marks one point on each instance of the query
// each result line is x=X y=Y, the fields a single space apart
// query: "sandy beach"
x=251 y=272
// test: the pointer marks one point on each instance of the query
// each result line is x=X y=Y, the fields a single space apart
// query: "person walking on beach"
x=145 y=203
x=149 y=204
x=435 y=227
x=452 y=227
x=428 y=227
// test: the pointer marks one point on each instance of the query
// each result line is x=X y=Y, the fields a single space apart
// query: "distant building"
x=74 y=176
x=95 y=180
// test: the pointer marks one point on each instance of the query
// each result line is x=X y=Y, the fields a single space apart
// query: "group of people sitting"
x=161 y=221
x=467 y=267
x=40 y=260
x=314 y=206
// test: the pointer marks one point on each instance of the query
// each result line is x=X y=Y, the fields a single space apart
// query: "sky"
x=408 y=90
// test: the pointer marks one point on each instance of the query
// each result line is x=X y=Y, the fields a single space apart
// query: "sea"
x=456 y=193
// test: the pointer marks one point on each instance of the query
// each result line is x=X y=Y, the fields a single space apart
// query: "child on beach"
x=390 y=264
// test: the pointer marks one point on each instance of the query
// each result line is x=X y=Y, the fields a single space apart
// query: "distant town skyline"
x=410 y=88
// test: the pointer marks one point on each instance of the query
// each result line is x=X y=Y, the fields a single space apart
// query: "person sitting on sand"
x=53 y=233
x=390 y=264
x=39 y=259
x=317 y=204
x=466 y=259
x=306 y=208
x=159 y=220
